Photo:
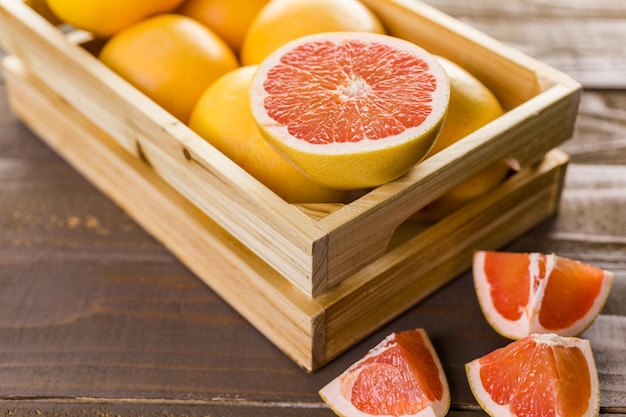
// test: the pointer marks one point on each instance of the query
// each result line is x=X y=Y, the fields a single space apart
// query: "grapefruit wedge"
x=350 y=109
x=541 y=375
x=401 y=376
x=525 y=293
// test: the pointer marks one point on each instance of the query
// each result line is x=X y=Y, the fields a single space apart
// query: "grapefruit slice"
x=350 y=109
x=525 y=293
x=540 y=375
x=401 y=376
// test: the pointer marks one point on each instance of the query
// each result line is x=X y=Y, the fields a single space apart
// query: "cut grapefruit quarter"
x=541 y=375
x=525 y=293
x=401 y=376
x=350 y=109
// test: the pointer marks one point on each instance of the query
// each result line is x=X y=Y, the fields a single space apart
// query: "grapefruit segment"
x=401 y=376
x=525 y=293
x=350 y=110
x=540 y=375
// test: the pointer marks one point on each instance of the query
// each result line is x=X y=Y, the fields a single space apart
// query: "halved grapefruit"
x=525 y=293
x=350 y=109
x=541 y=375
x=401 y=376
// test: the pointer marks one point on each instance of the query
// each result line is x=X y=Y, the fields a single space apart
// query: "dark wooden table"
x=97 y=318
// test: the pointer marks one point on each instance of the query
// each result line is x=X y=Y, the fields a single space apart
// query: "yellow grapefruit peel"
x=281 y=21
x=105 y=18
x=171 y=58
x=230 y=19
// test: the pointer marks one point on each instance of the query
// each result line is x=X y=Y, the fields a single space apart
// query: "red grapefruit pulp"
x=351 y=110
x=401 y=376
x=541 y=375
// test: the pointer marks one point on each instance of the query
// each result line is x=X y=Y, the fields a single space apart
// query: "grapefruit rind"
x=365 y=163
x=333 y=394
x=472 y=106
x=528 y=323
x=494 y=409
x=280 y=21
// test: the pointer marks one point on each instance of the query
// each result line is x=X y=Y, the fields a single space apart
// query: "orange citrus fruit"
x=472 y=105
x=541 y=375
x=401 y=376
x=350 y=109
x=105 y=18
x=223 y=117
x=170 y=58
x=230 y=19
x=526 y=293
x=281 y=21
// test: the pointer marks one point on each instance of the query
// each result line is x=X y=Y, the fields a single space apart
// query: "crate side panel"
x=285 y=234
x=359 y=233
x=279 y=310
x=427 y=261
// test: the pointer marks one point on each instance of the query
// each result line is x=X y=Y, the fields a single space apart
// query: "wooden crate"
x=301 y=274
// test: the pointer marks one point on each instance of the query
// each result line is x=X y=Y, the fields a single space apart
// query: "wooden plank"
x=425 y=260
x=118 y=285
x=170 y=408
x=521 y=9
x=600 y=136
x=262 y=295
x=276 y=231
x=581 y=38
x=66 y=251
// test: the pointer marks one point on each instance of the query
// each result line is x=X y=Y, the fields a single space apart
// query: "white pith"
x=354 y=88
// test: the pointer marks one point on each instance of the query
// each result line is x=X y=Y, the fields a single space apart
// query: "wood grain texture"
x=97 y=318
x=581 y=38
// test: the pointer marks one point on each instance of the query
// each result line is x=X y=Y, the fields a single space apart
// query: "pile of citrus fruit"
x=541 y=302
x=311 y=97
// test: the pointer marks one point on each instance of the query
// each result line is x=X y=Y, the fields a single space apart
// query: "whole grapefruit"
x=170 y=58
